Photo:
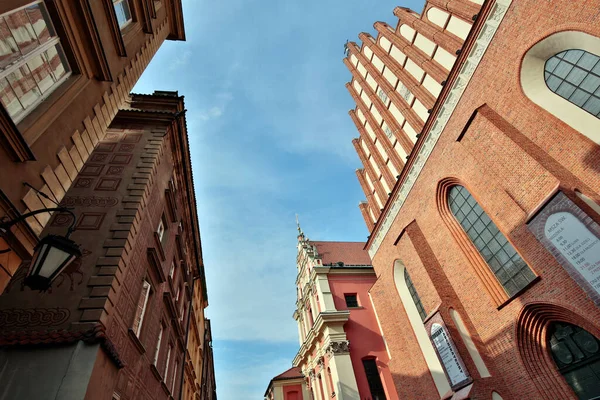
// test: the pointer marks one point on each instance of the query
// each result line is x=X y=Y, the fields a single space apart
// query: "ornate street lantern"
x=51 y=255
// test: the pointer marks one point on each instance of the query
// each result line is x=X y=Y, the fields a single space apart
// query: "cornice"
x=323 y=320
x=462 y=73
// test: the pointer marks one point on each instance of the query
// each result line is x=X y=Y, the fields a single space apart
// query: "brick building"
x=485 y=234
x=342 y=353
x=115 y=323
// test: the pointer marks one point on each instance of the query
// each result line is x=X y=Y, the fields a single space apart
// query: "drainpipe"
x=187 y=337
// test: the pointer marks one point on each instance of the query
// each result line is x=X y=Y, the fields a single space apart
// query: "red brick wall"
x=511 y=157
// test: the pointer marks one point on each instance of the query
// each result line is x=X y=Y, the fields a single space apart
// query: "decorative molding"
x=89 y=201
x=342 y=347
x=21 y=318
x=446 y=109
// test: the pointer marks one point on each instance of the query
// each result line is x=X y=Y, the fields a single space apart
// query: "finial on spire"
x=300 y=233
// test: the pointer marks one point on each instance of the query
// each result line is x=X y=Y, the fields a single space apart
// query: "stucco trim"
x=446 y=109
x=534 y=85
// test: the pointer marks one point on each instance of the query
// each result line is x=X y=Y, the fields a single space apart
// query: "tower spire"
x=300 y=233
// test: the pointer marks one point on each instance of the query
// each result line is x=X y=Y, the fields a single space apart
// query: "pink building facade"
x=288 y=385
x=342 y=352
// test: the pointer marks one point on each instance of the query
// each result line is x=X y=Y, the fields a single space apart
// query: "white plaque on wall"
x=448 y=355
x=573 y=238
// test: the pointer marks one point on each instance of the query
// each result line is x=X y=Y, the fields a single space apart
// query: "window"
x=172 y=270
x=576 y=353
x=575 y=76
x=508 y=266
x=123 y=11
x=157 y=349
x=141 y=308
x=166 y=374
x=375 y=386
x=351 y=300
x=415 y=296
x=174 y=376
x=162 y=228
x=32 y=60
x=382 y=96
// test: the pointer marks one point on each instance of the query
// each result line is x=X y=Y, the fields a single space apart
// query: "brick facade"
x=514 y=157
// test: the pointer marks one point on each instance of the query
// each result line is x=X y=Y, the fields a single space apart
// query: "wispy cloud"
x=181 y=60
x=269 y=137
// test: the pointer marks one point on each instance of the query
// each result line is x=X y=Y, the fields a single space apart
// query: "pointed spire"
x=300 y=233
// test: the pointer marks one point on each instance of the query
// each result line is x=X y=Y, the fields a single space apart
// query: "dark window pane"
x=351 y=300
x=590 y=83
x=576 y=76
x=495 y=249
x=579 y=97
x=551 y=64
x=573 y=56
x=372 y=373
x=414 y=294
x=588 y=61
x=562 y=69
x=565 y=90
x=575 y=83
x=592 y=105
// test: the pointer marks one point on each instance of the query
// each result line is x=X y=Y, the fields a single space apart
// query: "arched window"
x=502 y=258
x=575 y=76
x=576 y=353
x=414 y=295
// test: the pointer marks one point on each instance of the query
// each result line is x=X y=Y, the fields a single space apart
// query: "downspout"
x=187 y=337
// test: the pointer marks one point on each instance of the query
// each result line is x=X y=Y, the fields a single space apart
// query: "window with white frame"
x=141 y=308
x=32 y=60
x=157 y=349
x=172 y=270
x=123 y=11
x=166 y=374
x=162 y=227
x=174 y=376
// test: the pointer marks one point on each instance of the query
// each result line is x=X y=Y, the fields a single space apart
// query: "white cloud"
x=181 y=60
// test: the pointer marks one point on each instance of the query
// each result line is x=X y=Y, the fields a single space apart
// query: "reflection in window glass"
x=32 y=62
x=508 y=266
x=123 y=12
x=575 y=76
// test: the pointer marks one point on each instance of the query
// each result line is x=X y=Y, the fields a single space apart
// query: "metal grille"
x=510 y=269
x=415 y=296
x=575 y=76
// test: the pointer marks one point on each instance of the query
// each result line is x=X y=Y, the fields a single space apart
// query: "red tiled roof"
x=292 y=373
x=350 y=253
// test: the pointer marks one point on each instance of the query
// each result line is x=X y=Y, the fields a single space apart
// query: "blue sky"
x=270 y=137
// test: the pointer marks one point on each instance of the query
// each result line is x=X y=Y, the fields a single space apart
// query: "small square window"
x=172 y=270
x=351 y=300
x=162 y=228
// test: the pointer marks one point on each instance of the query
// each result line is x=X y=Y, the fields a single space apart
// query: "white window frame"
x=53 y=41
x=174 y=376
x=130 y=20
x=146 y=287
x=161 y=229
x=172 y=270
x=166 y=377
x=158 y=343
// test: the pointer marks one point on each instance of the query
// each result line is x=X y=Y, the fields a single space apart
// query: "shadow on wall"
x=348 y=392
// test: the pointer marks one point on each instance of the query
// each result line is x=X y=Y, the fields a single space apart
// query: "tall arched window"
x=414 y=295
x=502 y=258
x=575 y=76
x=576 y=353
